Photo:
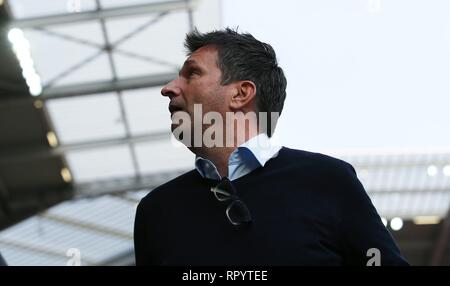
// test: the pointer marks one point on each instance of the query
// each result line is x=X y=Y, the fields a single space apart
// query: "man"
x=249 y=201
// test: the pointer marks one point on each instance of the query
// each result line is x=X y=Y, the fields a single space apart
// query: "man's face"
x=199 y=82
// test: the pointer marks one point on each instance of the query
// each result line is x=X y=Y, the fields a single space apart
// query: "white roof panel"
x=100 y=163
x=147 y=110
x=119 y=3
x=20 y=256
x=163 y=156
x=87 y=118
x=90 y=32
x=42 y=240
x=161 y=43
x=130 y=67
x=33 y=8
x=120 y=219
x=57 y=59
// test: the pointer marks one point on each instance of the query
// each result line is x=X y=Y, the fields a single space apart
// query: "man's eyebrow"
x=188 y=62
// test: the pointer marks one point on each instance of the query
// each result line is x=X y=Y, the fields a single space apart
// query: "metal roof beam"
x=106 y=86
x=40 y=250
x=125 y=258
x=31 y=153
x=123 y=185
x=127 y=11
x=87 y=226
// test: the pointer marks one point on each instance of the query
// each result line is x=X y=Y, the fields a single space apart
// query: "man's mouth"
x=173 y=108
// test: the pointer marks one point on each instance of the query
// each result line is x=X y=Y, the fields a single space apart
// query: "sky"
x=362 y=74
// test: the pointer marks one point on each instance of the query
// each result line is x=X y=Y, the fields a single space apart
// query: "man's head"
x=228 y=71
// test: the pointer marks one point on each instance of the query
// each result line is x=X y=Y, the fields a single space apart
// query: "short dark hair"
x=242 y=57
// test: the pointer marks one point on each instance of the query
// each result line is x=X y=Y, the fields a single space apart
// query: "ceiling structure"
x=27 y=184
x=100 y=124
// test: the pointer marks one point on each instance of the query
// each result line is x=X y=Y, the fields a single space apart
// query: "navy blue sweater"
x=306 y=208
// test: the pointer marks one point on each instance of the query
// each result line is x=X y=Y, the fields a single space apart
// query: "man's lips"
x=173 y=108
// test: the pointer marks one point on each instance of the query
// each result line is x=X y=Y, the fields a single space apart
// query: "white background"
x=361 y=74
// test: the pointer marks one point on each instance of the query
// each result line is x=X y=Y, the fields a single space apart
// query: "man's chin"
x=178 y=136
x=173 y=127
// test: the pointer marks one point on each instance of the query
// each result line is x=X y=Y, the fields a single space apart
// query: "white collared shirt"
x=245 y=158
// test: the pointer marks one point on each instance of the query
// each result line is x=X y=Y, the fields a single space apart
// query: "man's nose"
x=171 y=89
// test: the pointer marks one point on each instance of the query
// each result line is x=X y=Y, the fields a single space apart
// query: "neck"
x=220 y=155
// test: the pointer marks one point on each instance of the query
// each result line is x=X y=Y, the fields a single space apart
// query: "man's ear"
x=243 y=97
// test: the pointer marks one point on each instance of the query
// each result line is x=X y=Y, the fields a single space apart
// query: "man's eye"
x=192 y=72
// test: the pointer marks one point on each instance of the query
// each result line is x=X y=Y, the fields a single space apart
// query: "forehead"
x=206 y=56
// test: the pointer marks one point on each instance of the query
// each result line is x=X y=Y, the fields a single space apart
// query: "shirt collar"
x=253 y=153
x=261 y=147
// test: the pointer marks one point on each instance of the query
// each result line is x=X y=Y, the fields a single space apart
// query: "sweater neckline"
x=249 y=175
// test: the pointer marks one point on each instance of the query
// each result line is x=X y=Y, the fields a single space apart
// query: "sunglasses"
x=236 y=211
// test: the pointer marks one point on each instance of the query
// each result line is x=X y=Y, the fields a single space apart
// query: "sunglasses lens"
x=221 y=196
x=224 y=190
x=238 y=213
